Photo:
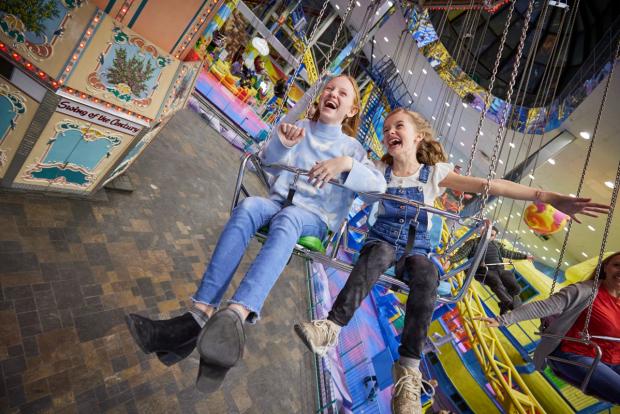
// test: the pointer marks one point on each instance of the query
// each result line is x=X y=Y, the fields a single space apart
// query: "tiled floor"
x=70 y=269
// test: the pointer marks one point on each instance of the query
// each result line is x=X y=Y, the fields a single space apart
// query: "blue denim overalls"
x=393 y=224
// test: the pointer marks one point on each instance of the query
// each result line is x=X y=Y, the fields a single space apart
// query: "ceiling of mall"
x=457 y=124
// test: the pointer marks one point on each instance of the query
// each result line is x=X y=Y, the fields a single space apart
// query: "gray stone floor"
x=70 y=269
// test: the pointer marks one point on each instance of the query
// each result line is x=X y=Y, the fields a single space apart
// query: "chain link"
x=503 y=120
x=614 y=195
x=330 y=52
x=299 y=65
x=485 y=105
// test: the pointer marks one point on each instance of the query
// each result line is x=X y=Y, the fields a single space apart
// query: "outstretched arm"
x=499 y=187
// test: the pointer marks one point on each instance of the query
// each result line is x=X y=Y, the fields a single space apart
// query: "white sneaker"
x=319 y=336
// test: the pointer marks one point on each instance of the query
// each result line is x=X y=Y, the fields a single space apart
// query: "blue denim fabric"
x=286 y=226
x=604 y=383
x=392 y=224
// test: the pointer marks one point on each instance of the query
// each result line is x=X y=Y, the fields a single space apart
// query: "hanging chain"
x=503 y=121
x=614 y=195
x=301 y=59
x=330 y=52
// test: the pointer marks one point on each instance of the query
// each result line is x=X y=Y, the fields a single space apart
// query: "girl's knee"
x=422 y=271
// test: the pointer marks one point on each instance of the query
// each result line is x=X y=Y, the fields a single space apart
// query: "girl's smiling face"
x=337 y=101
x=400 y=136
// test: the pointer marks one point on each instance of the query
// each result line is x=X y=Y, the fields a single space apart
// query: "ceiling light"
x=591 y=228
x=565 y=228
x=528 y=246
x=536 y=247
x=397 y=71
x=545 y=247
x=388 y=56
x=415 y=94
x=377 y=12
x=410 y=72
x=461 y=161
x=554 y=260
x=424 y=71
x=567 y=264
x=544 y=258
x=584 y=135
x=511 y=216
x=499 y=200
x=451 y=155
x=429 y=99
x=390 y=4
x=551 y=161
x=609 y=184
x=358 y=4
x=462 y=144
x=410 y=101
x=531 y=176
x=337 y=7
x=448 y=104
x=463 y=128
x=433 y=118
x=386 y=39
x=449 y=124
x=523 y=231
x=373 y=40
x=481 y=133
x=557 y=250
x=512 y=145
x=584 y=254
x=464 y=105
x=501 y=162
x=373 y=56
x=519 y=214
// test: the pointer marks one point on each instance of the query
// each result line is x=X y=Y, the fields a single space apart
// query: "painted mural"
x=182 y=87
x=12 y=105
x=73 y=154
x=128 y=70
x=36 y=27
x=135 y=152
x=16 y=112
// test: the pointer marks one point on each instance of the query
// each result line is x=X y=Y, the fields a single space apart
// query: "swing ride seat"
x=590 y=367
x=325 y=253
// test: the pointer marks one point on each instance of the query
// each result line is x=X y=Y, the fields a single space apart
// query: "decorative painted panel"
x=72 y=154
x=181 y=88
x=136 y=151
x=45 y=34
x=124 y=69
x=16 y=112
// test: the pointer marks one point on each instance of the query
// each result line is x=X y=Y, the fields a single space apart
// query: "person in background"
x=492 y=271
x=568 y=309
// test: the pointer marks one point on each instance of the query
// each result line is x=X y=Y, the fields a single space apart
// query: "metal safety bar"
x=482 y=227
x=591 y=367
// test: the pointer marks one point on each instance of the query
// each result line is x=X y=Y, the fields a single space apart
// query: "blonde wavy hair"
x=430 y=151
x=350 y=126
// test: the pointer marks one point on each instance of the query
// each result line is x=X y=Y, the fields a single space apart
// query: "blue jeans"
x=286 y=226
x=605 y=380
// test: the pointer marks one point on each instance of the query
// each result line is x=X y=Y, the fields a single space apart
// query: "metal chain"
x=485 y=105
x=301 y=59
x=503 y=121
x=614 y=195
x=330 y=52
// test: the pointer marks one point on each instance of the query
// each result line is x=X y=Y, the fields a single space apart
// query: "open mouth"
x=394 y=142
x=331 y=105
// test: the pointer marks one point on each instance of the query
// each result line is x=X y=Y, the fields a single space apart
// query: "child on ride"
x=324 y=146
x=414 y=168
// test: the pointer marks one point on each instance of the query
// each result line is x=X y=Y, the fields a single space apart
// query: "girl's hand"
x=491 y=322
x=323 y=171
x=573 y=205
x=290 y=135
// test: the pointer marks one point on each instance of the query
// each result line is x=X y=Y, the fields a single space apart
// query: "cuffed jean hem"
x=202 y=302
x=254 y=315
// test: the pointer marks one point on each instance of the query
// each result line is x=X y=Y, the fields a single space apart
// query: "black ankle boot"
x=165 y=335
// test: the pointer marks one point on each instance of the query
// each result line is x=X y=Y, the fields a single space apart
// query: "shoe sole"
x=301 y=333
x=222 y=340
x=131 y=324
